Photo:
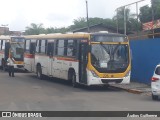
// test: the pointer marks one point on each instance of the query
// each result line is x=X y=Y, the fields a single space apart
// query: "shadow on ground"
x=65 y=83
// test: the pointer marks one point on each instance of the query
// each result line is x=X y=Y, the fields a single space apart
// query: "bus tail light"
x=154 y=79
x=94 y=74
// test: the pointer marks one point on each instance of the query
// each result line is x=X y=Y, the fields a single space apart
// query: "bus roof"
x=109 y=34
x=52 y=36
x=3 y=37
x=69 y=36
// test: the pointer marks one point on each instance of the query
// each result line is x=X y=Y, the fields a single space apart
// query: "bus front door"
x=83 y=59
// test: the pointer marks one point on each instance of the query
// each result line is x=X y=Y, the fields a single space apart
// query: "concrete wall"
x=145 y=56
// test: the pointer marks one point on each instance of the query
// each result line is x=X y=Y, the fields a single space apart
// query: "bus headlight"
x=94 y=74
x=128 y=74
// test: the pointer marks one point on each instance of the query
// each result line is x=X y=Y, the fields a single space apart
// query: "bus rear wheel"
x=3 y=65
x=39 y=72
x=73 y=80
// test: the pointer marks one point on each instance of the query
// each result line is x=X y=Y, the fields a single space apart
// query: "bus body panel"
x=82 y=64
x=56 y=66
x=41 y=60
x=49 y=68
x=29 y=61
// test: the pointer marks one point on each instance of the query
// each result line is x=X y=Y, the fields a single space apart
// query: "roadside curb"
x=134 y=91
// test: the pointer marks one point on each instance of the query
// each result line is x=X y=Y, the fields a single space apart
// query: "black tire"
x=73 y=80
x=154 y=97
x=106 y=86
x=26 y=71
x=39 y=72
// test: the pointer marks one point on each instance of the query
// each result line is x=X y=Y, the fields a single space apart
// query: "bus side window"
x=56 y=47
x=38 y=46
x=32 y=48
x=65 y=47
x=60 y=50
x=70 y=48
x=43 y=46
x=27 y=45
x=75 y=47
x=50 y=48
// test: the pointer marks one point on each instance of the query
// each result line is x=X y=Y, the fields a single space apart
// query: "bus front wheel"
x=73 y=80
x=3 y=65
x=39 y=72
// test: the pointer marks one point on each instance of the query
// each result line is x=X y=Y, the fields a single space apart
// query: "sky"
x=18 y=14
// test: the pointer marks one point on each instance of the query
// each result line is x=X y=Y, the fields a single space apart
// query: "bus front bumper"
x=102 y=81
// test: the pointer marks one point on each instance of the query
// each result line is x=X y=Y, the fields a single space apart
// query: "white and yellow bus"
x=12 y=47
x=89 y=58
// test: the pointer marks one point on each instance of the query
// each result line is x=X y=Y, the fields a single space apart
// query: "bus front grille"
x=111 y=80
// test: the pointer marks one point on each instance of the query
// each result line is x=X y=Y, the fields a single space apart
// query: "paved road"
x=26 y=92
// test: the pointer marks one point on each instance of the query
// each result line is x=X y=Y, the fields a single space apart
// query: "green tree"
x=156 y=8
x=82 y=22
x=96 y=20
x=145 y=14
x=131 y=20
x=109 y=22
x=78 y=23
x=56 y=30
x=34 y=29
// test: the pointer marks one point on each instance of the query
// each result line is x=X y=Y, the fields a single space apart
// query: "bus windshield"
x=110 y=57
x=17 y=50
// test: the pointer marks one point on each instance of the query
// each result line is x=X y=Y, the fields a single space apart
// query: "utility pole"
x=87 y=16
x=137 y=18
x=117 y=21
